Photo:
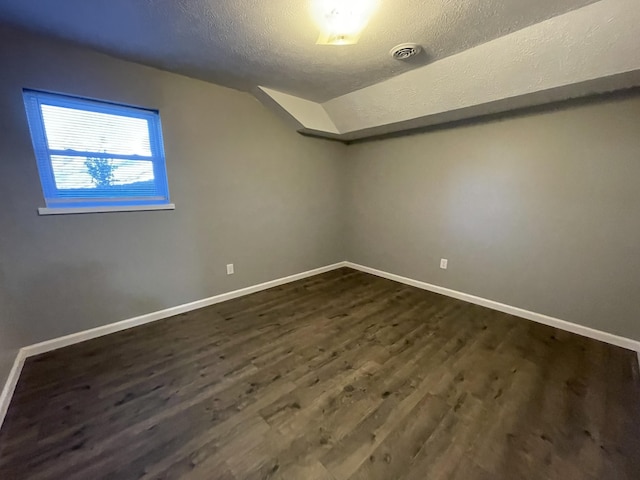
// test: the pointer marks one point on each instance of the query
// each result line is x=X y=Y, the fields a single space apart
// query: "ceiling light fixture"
x=342 y=21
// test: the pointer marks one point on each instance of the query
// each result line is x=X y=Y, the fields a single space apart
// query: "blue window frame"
x=96 y=155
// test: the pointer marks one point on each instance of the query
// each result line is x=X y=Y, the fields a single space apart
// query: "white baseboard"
x=54 y=344
x=10 y=385
x=501 y=307
x=67 y=340
x=49 y=345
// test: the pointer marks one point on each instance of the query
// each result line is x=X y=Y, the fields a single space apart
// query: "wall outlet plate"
x=230 y=270
x=444 y=263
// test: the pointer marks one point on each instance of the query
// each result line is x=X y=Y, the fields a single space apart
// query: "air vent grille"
x=405 y=51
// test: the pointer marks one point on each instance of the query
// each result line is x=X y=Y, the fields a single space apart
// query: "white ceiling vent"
x=405 y=51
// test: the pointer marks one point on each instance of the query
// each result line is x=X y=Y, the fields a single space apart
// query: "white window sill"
x=71 y=210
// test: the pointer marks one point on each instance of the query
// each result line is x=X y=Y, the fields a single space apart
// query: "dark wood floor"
x=340 y=376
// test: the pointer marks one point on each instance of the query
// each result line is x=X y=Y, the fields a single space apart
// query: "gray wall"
x=539 y=211
x=247 y=190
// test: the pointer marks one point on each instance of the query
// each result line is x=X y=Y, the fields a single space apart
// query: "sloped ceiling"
x=591 y=50
x=480 y=56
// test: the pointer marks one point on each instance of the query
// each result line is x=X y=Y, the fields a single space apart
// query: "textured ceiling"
x=246 y=43
x=587 y=51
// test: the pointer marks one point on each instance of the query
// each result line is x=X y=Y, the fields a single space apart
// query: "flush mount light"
x=342 y=21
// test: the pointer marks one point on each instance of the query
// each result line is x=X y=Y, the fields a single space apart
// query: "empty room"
x=320 y=239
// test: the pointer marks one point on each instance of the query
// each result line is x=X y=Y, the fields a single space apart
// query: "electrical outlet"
x=444 y=263
x=230 y=270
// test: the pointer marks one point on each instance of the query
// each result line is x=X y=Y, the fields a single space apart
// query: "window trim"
x=105 y=209
x=57 y=205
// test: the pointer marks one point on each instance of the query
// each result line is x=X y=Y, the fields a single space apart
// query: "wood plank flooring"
x=342 y=376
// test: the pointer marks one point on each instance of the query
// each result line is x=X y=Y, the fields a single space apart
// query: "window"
x=96 y=156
